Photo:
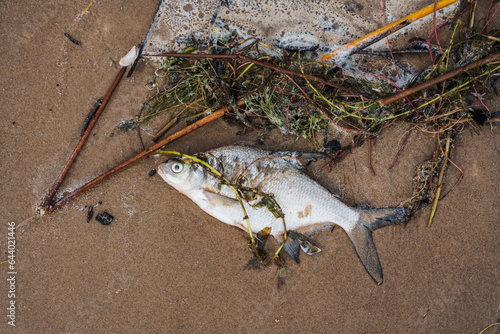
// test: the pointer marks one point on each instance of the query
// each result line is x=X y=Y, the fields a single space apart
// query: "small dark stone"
x=152 y=172
x=100 y=202
x=13 y=123
x=479 y=117
x=333 y=146
x=111 y=134
x=104 y=218
x=90 y=214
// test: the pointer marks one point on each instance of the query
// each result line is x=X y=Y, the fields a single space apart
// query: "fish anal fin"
x=292 y=247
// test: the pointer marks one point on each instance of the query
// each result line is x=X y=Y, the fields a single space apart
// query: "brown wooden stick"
x=83 y=138
x=438 y=79
x=255 y=61
x=124 y=165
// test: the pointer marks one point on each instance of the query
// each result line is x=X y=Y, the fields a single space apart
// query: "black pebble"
x=90 y=214
x=479 y=117
x=152 y=172
x=333 y=146
x=104 y=218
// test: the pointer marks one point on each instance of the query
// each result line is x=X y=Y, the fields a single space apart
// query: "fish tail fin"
x=361 y=236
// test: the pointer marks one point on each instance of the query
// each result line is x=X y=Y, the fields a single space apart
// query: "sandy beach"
x=163 y=265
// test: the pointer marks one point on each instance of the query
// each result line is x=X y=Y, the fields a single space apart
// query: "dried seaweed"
x=300 y=107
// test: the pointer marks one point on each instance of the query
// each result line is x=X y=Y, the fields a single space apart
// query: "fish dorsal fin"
x=299 y=159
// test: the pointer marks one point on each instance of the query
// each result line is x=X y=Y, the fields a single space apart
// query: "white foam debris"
x=293 y=24
x=326 y=23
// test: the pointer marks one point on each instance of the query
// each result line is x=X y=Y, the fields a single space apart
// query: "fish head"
x=182 y=174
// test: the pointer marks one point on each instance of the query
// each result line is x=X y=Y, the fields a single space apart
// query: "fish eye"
x=177 y=167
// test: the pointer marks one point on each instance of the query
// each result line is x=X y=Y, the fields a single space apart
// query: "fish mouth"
x=160 y=170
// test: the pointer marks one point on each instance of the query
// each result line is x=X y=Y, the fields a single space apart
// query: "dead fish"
x=307 y=206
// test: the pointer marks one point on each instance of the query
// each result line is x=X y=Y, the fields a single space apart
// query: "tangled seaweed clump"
x=297 y=105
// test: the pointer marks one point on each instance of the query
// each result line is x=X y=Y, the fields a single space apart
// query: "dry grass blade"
x=440 y=181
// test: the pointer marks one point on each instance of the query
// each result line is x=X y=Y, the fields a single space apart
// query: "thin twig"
x=310 y=99
x=370 y=157
x=491 y=18
x=124 y=165
x=397 y=87
x=487 y=15
x=435 y=29
x=81 y=142
x=491 y=325
x=140 y=137
x=384 y=9
x=438 y=79
x=440 y=181
x=401 y=148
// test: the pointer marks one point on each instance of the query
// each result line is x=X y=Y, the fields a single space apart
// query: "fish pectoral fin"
x=292 y=246
x=217 y=199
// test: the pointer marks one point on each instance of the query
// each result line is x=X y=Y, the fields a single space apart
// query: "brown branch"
x=439 y=79
x=251 y=60
x=124 y=165
x=83 y=138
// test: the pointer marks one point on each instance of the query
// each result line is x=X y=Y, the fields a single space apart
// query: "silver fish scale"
x=303 y=201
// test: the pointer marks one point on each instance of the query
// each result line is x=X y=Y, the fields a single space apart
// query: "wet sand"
x=163 y=265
